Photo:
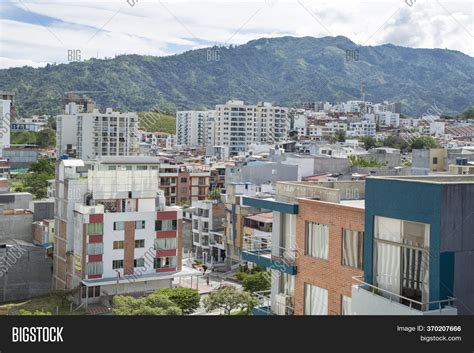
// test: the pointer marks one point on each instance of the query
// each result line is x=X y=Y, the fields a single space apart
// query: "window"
x=140 y=225
x=94 y=229
x=435 y=160
x=184 y=180
x=165 y=262
x=401 y=257
x=95 y=248
x=169 y=224
x=346 y=305
x=119 y=225
x=94 y=268
x=141 y=167
x=352 y=248
x=116 y=264
x=139 y=262
x=91 y=292
x=165 y=244
x=317 y=240
x=315 y=300
x=140 y=243
x=118 y=244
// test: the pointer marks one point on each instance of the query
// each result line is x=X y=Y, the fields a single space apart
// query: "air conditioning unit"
x=282 y=302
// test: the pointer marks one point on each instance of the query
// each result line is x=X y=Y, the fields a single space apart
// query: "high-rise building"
x=5 y=118
x=114 y=234
x=192 y=128
x=237 y=125
x=92 y=135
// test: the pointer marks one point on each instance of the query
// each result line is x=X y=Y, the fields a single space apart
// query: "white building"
x=192 y=127
x=361 y=129
x=4 y=124
x=93 y=135
x=114 y=234
x=388 y=119
x=237 y=125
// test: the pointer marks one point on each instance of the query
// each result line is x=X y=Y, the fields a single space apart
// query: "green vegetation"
x=286 y=70
x=214 y=194
x=187 y=299
x=362 y=162
x=229 y=298
x=44 y=138
x=423 y=142
x=35 y=181
x=154 y=121
x=154 y=304
x=57 y=302
x=257 y=282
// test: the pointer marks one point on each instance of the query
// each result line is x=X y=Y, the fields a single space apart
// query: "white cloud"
x=163 y=27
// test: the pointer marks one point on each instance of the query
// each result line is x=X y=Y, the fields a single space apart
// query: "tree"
x=229 y=298
x=34 y=313
x=43 y=165
x=214 y=194
x=154 y=304
x=46 y=138
x=256 y=282
x=340 y=136
x=423 y=142
x=369 y=142
x=187 y=299
x=394 y=141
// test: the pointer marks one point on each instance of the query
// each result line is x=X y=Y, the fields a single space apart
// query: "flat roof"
x=266 y=217
x=430 y=179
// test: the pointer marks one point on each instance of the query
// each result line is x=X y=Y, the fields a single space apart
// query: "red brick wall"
x=129 y=248
x=328 y=274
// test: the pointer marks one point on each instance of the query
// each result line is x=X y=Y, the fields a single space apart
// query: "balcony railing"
x=409 y=302
x=282 y=306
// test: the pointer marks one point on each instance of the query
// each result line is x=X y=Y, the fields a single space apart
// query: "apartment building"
x=92 y=135
x=184 y=183
x=192 y=127
x=207 y=227
x=418 y=247
x=113 y=232
x=5 y=120
x=304 y=254
x=237 y=125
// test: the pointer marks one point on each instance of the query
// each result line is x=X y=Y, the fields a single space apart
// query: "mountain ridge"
x=285 y=70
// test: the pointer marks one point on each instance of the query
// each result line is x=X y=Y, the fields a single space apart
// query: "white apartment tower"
x=237 y=125
x=95 y=134
x=4 y=124
x=192 y=127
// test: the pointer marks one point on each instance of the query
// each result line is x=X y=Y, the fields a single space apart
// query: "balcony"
x=282 y=305
x=371 y=300
x=260 y=251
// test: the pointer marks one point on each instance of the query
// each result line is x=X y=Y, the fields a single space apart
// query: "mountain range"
x=286 y=71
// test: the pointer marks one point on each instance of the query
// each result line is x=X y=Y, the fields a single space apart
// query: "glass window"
x=95 y=248
x=317 y=240
x=165 y=262
x=140 y=243
x=346 y=305
x=118 y=244
x=116 y=264
x=119 y=225
x=165 y=244
x=169 y=224
x=94 y=228
x=352 y=247
x=140 y=225
x=94 y=268
x=139 y=262
x=315 y=300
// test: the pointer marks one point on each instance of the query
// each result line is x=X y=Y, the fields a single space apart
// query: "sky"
x=37 y=32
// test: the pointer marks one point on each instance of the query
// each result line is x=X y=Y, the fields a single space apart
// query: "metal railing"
x=262 y=245
x=265 y=304
x=397 y=298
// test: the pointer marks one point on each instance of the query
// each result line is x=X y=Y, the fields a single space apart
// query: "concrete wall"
x=16 y=200
x=261 y=173
x=28 y=274
x=17 y=226
x=43 y=209
x=20 y=158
